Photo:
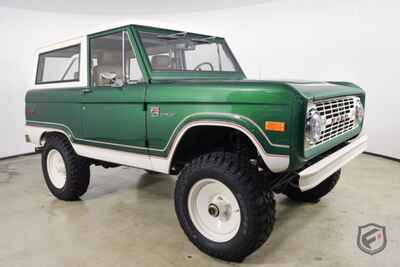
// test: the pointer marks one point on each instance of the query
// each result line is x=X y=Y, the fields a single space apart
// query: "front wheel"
x=222 y=207
x=313 y=195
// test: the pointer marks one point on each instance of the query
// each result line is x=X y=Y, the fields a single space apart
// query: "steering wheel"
x=197 y=68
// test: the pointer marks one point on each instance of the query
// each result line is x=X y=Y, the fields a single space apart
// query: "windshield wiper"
x=205 y=40
x=173 y=35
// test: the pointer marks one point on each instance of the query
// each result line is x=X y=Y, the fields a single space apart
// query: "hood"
x=314 y=90
x=321 y=90
x=251 y=91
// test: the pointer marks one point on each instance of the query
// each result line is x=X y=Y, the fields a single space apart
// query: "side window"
x=61 y=65
x=112 y=59
x=133 y=73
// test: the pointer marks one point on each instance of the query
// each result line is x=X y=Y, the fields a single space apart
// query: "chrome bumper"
x=318 y=172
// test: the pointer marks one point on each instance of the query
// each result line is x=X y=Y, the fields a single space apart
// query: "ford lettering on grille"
x=339 y=117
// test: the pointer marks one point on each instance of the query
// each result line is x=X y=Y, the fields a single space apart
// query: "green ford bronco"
x=178 y=103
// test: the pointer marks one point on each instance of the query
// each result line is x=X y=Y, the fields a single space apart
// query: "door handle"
x=86 y=91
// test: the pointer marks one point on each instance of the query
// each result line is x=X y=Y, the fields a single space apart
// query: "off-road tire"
x=77 y=169
x=257 y=205
x=313 y=195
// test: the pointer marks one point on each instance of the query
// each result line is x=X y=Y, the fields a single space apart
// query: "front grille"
x=339 y=116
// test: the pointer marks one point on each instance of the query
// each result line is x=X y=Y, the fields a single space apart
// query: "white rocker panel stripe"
x=276 y=163
x=35 y=134
x=115 y=156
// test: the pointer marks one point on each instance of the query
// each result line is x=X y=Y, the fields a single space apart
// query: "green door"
x=113 y=106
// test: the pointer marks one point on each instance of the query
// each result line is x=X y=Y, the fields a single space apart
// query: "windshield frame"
x=186 y=74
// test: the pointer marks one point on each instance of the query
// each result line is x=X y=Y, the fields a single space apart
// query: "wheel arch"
x=53 y=132
x=194 y=140
x=276 y=163
x=38 y=135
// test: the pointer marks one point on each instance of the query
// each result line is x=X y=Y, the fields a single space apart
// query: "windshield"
x=180 y=51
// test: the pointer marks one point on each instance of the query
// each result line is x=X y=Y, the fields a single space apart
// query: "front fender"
x=276 y=162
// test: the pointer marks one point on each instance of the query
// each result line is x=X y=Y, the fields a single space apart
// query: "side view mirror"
x=110 y=78
x=117 y=83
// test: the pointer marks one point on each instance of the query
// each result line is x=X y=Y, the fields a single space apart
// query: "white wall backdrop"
x=22 y=32
x=345 y=40
x=351 y=40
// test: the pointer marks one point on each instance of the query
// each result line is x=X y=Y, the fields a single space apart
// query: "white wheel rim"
x=214 y=210
x=56 y=169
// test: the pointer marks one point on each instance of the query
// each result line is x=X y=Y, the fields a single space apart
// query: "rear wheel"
x=313 y=195
x=66 y=174
x=222 y=207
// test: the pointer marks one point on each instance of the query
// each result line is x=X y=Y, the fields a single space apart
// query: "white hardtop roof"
x=152 y=23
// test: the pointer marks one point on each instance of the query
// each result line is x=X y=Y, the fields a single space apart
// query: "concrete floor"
x=127 y=218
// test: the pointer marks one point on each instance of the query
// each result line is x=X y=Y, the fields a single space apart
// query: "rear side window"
x=61 y=65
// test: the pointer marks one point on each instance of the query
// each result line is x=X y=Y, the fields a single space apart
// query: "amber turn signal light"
x=275 y=126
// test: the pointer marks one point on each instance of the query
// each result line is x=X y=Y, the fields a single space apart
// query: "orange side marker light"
x=275 y=126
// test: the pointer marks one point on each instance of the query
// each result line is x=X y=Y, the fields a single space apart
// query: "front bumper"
x=318 y=172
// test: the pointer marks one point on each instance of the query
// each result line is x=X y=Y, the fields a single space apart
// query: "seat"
x=108 y=63
x=161 y=62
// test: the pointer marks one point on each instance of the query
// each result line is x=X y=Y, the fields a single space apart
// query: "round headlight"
x=314 y=126
x=359 y=110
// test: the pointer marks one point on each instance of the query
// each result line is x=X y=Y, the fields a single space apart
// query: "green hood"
x=320 y=90
x=249 y=91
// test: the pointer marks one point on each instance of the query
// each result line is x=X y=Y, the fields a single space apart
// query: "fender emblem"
x=155 y=111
